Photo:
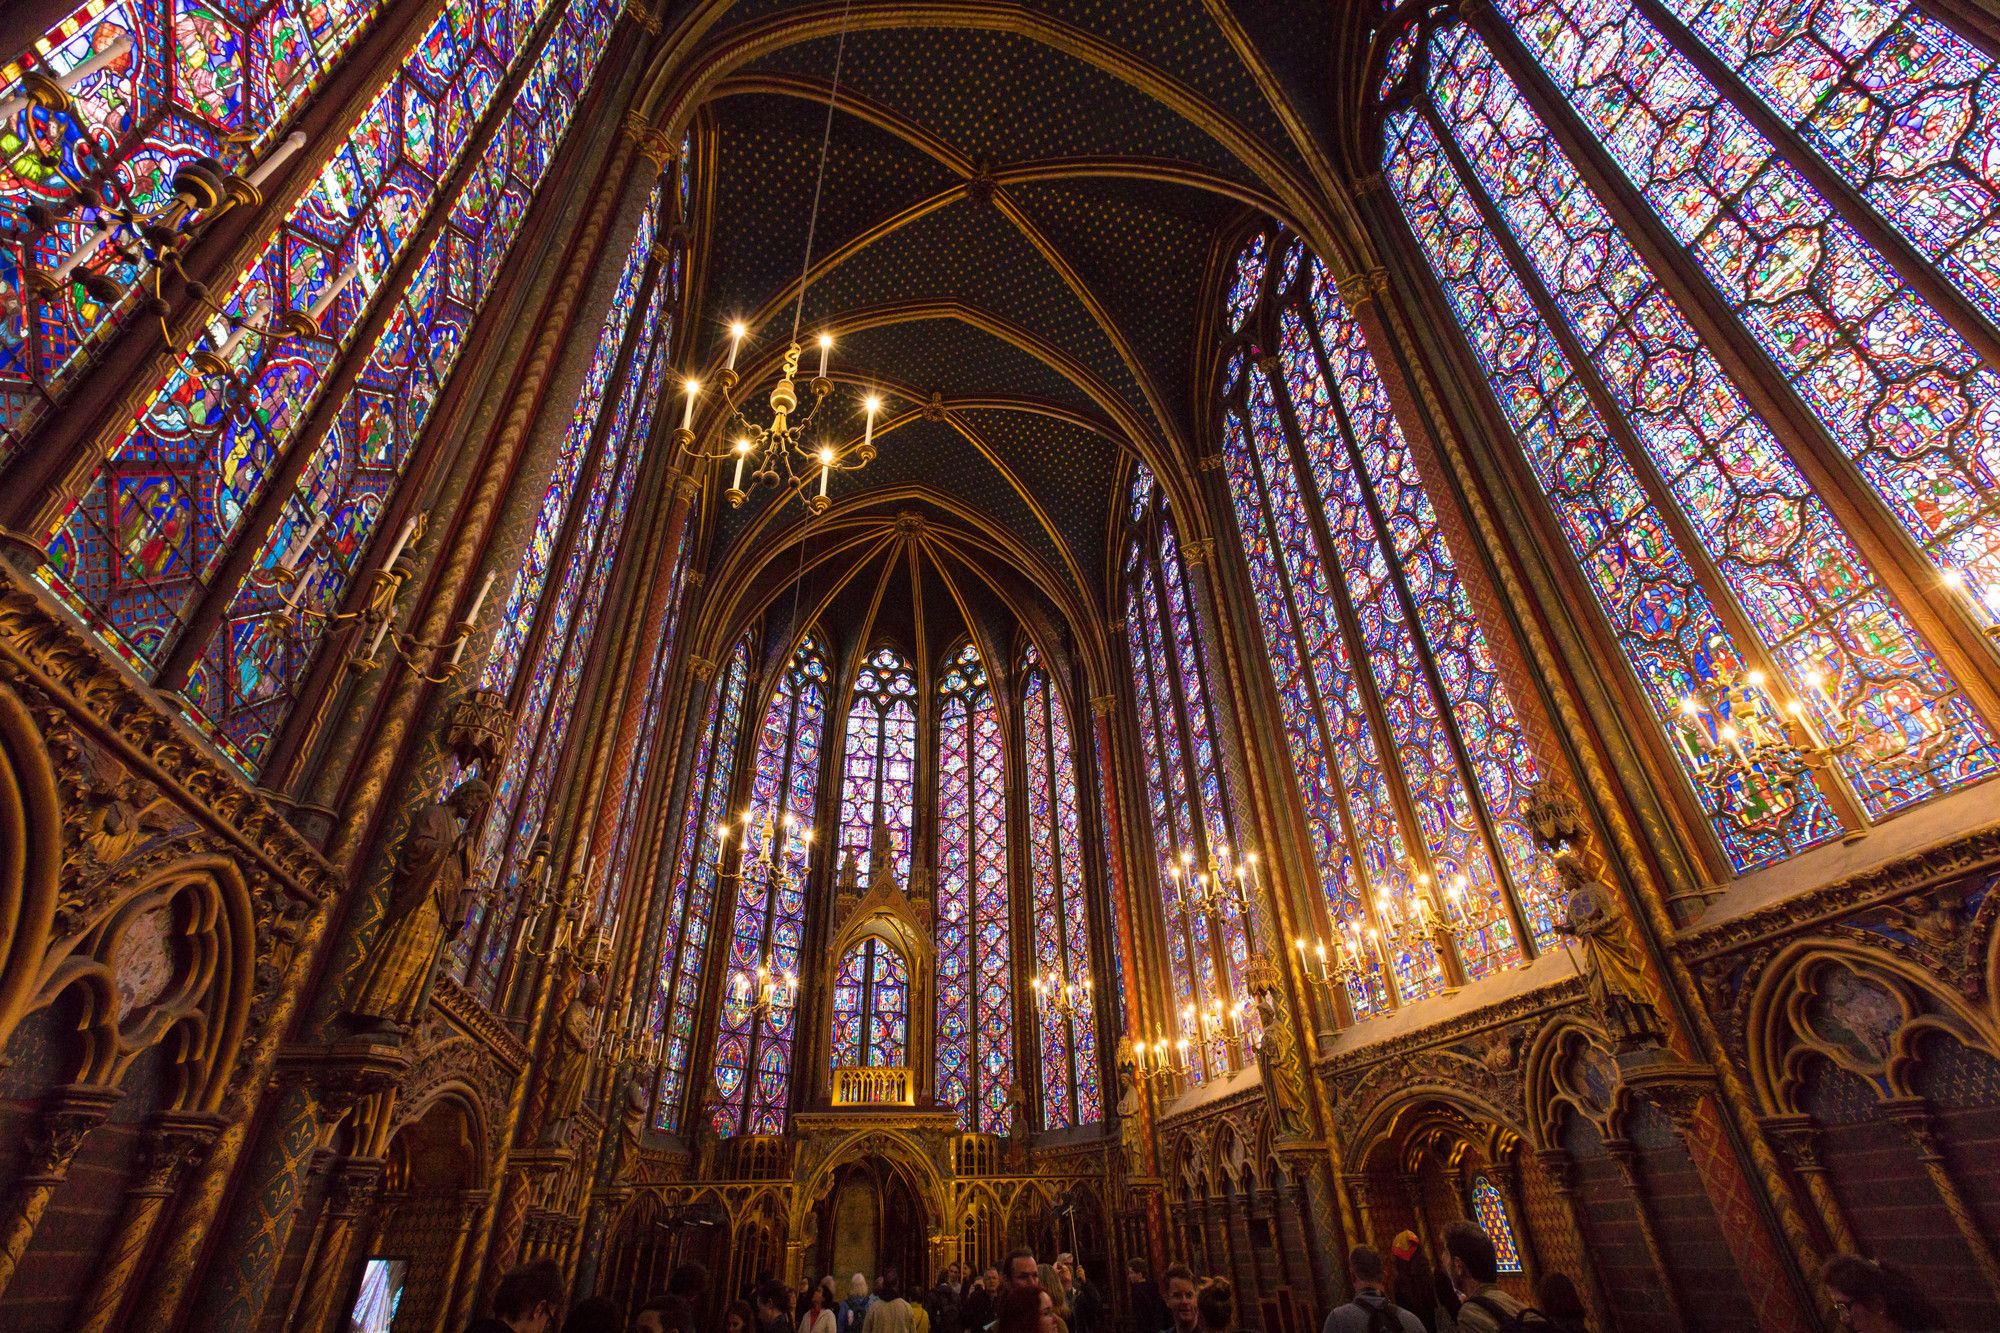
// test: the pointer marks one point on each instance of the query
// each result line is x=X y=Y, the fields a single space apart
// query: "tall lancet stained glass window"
x=582 y=516
x=224 y=477
x=871 y=1007
x=975 y=993
x=1414 y=767
x=1722 y=384
x=150 y=87
x=878 y=775
x=689 y=912
x=753 y=1054
x=1065 y=995
x=1187 y=793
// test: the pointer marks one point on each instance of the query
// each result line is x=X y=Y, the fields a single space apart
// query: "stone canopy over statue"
x=429 y=895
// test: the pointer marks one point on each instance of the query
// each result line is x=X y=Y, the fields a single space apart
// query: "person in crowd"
x=1182 y=1315
x=774 y=1306
x=1412 y=1285
x=664 y=1314
x=739 y=1317
x=890 y=1313
x=1474 y=1264
x=529 y=1299
x=1870 y=1297
x=854 y=1309
x=1022 y=1270
x=1149 y=1312
x=1051 y=1279
x=1018 y=1309
x=1371 y=1309
x=1086 y=1302
x=594 y=1314
x=976 y=1311
x=942 y=1301
x=920 y=1318
x=802 y=1298
x=1215 y=1305
x=1446 y=1308
x=818 y=1317
x=1561 y=1303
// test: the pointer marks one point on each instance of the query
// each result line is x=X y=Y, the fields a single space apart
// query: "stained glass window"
x=652 y=708
x=613 y=412
x=1490 y=1211
x=1068 y=1045
x=879 y=772
x=871 y=1007
x=1745 y=606
x=1186 y=790
x=153 y=86
x=753 y=1055
x=690 y=905
x=215 y=460
x=1414 y=770
x=975 y=1005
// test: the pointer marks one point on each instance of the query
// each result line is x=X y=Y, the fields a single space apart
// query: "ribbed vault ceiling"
x=1022 y=209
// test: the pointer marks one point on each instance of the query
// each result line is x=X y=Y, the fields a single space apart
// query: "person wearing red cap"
x=1414 y=1288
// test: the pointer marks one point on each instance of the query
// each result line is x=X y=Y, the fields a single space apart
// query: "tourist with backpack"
x=1474 y=1264
x=1371 y=1310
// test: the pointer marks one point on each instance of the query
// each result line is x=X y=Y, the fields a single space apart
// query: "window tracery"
x=879 y=772
x=753 y=1057
x=1712 y=516
x=871 y=1007
x=212 y=462
x=975 y=990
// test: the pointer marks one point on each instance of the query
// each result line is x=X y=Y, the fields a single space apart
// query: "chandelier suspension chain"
x=819 y=179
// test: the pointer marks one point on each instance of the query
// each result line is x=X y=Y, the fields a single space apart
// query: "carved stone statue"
x=1613 y=975
x=1020 y=1126
x=1278 y=1055
x=850 y=876
x=1131 y=1129
x=569 y=1058
x=429 y=896
x=632 y=1126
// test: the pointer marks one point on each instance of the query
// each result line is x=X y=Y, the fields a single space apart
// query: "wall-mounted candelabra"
x=378 y=613
x=1058 y=996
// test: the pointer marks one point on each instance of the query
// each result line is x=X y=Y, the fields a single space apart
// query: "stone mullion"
x=1064 y=945
x=1154 y=956
x=1175 y=917
x=1094 y=808
x=1020 y=896
x=1416 y=843
x=1914 y=1117
x=1573 y=667
x=1512 y=892
x=1911 y=266
x=67 y=1116
x=688 y=787
x=219 y=589
x=1905 y=573
x=1340 y=1009
x=70 y=444
x=1743 y=1158
x=1756 y=653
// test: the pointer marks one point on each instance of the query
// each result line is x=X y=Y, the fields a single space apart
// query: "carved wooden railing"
x=874 y=1086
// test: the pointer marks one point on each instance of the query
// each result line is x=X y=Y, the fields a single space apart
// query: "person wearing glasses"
x=1875 y=1298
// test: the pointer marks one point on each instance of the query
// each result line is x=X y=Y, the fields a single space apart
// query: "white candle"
x=874 y=405
x=376 y=642
x=330 y=293
x=299 y=548
x=825 y=469
x=402 y=540
x=742 y=453
x=458 y=650
x=825 y=347
x=687 y=412
x=736 y=332
x=287 y=148
x=479 y=601
x=83 y=251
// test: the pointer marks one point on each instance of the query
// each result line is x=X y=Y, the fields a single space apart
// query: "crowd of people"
x=1402 y=1291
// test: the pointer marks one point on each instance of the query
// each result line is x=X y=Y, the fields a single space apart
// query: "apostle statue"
x=1613 y=976
x=1278 y=1053
x=1131 y=1130
x=429 y=895
x=569 y=1058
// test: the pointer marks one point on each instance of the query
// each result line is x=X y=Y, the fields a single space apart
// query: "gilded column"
x=171 y=1143
x=1626 y=1156
x=67 y=1116
x=1913 y=1116
x=1560 y=1168
x=1797 y=1139
x=350 y=1193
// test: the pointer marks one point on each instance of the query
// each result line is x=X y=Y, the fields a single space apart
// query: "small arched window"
x=871 y=1007
x=1490 y=1211
x=880 y=768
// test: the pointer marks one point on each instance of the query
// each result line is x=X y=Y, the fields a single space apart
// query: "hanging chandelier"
x=783 y=453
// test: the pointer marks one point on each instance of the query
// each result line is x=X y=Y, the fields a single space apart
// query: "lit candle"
x=736 y=332
x=287 y=149
x=874 y=405
x=687 y=413
x=825 y=469
x=402 y=540
x=742 y=452
x=825 y=348
x=1734 y=740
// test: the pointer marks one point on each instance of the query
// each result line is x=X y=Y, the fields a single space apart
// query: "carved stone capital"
x=1116 y=628
x=340 y=1075
x=686 y=488
x=1354 y=288
x=1674 y=1086
x=651 y=142
x=1913 y=1116
x=703 y=668
x=171 y=1145
x=1209 y=463
x=1271 y=364
x=1796 y=1138
x=68 y=1115
x=479 y=729
x=351 y=1190
x=1198 y=551
x=1102 y=705
x=1559 y=1167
